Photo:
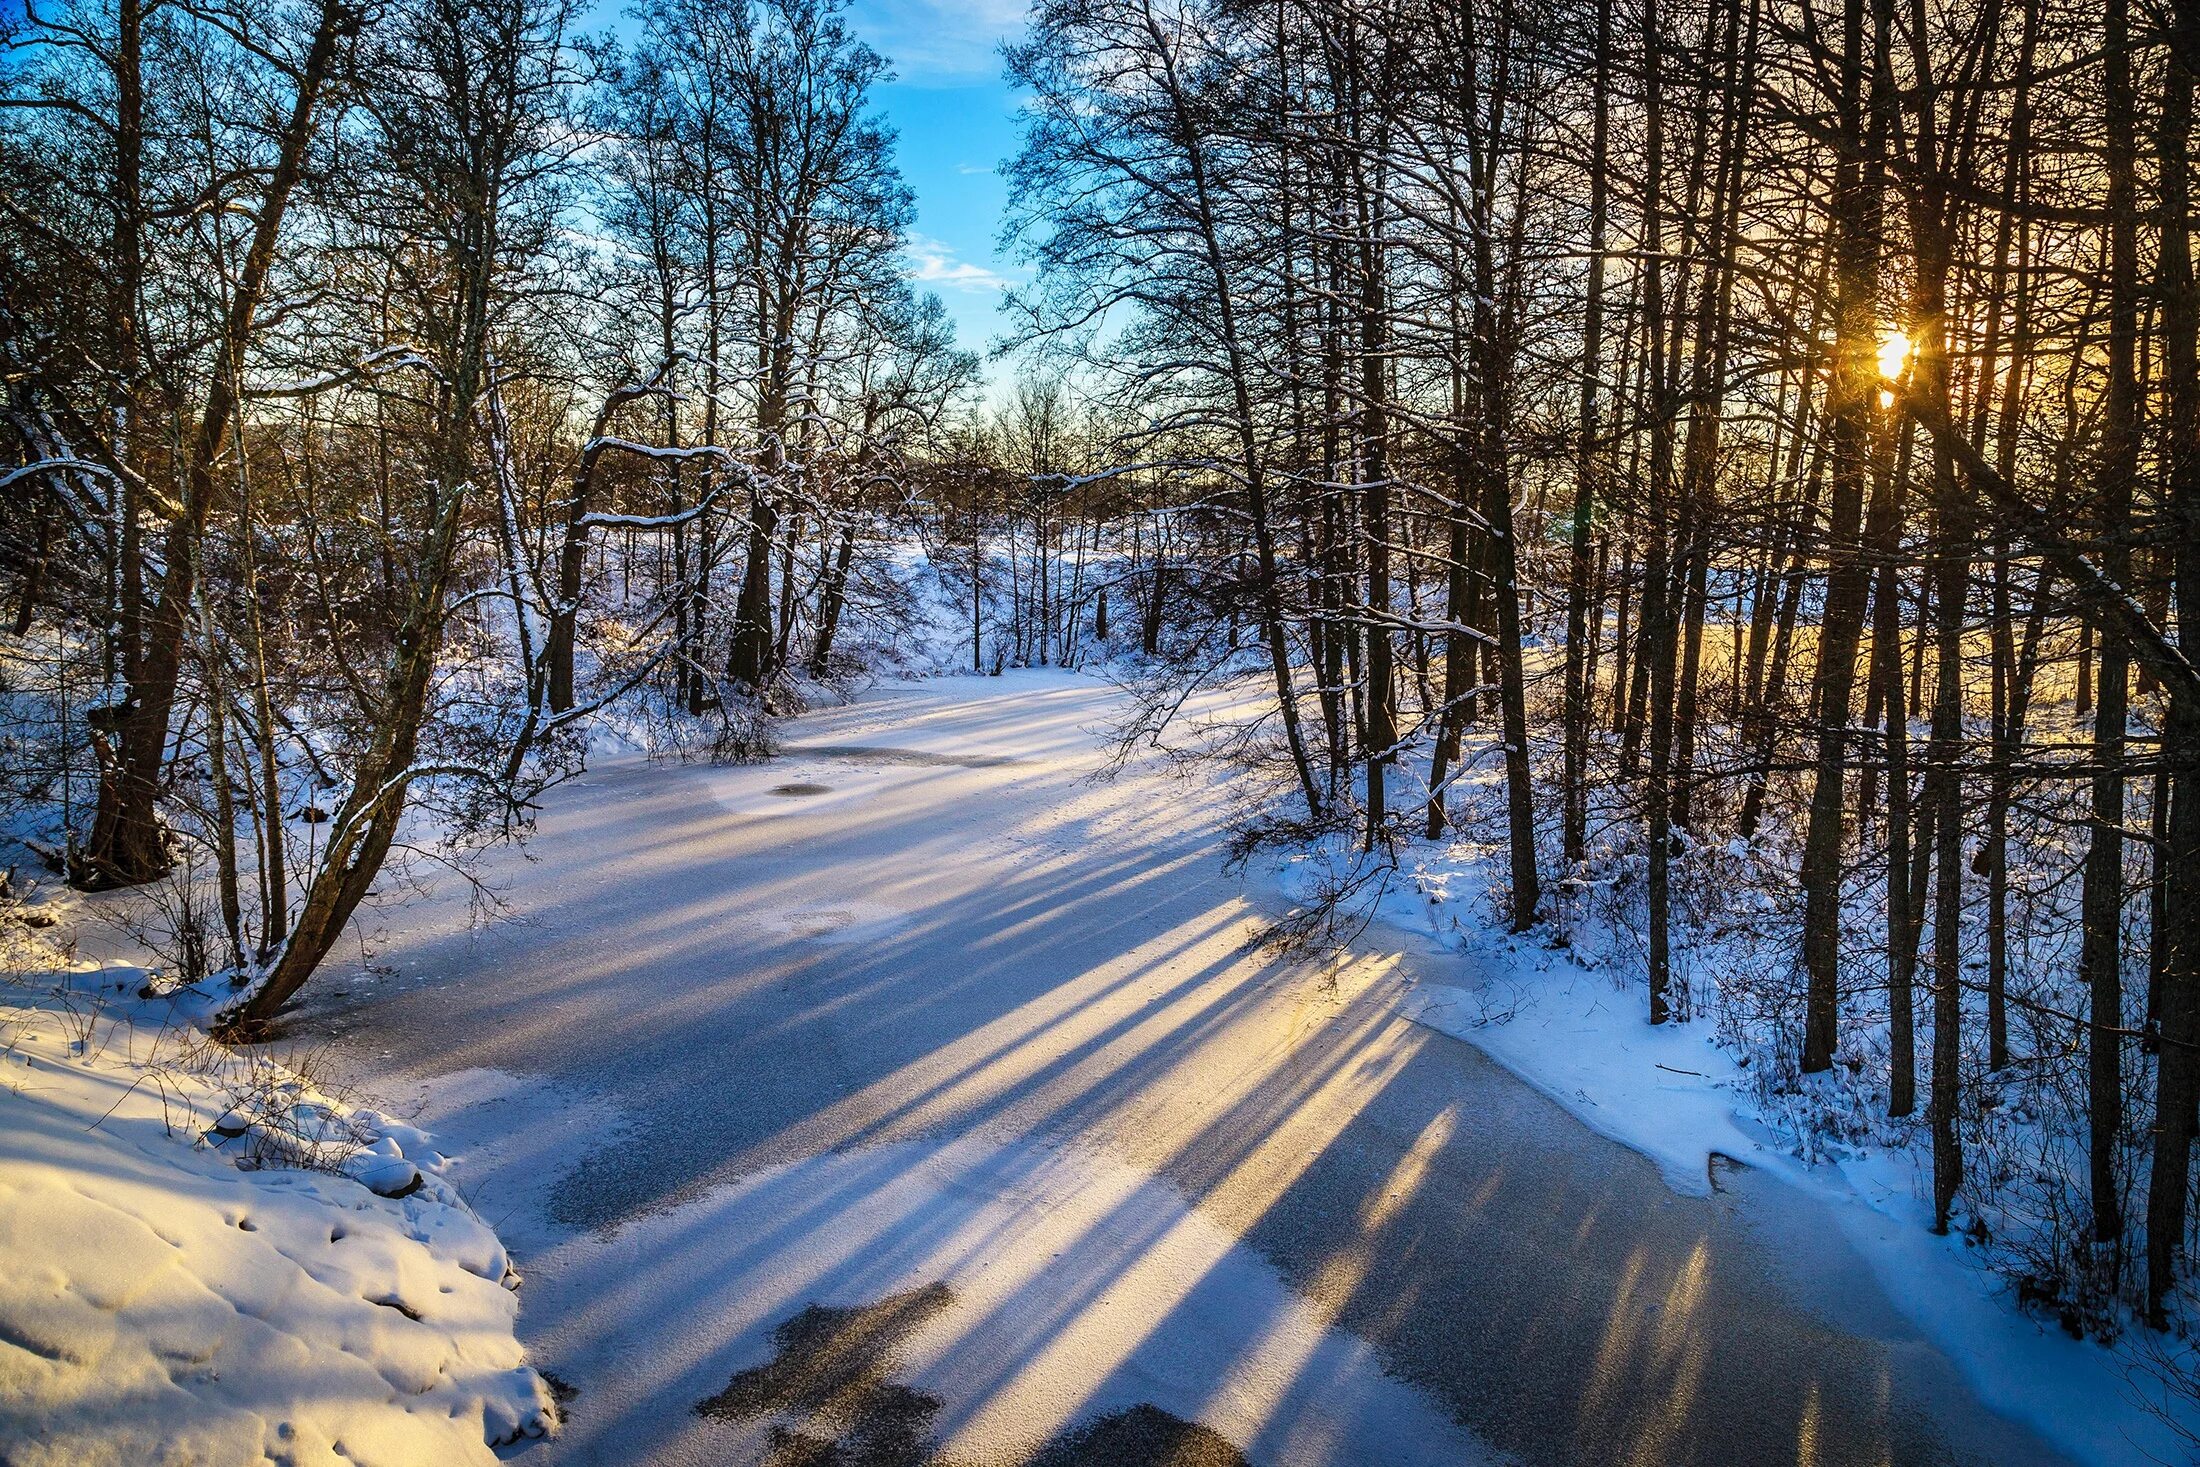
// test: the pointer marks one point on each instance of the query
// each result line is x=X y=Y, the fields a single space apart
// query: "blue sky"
x=956 y=120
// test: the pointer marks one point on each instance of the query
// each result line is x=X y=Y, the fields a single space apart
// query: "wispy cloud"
x=940 y=41
x=969 y=170
x=934 y=262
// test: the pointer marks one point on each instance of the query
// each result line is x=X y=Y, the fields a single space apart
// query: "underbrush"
x=260 y=1107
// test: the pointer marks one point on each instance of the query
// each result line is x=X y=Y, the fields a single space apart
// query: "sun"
x=1894 y=353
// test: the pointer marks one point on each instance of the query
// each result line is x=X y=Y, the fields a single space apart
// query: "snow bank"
x=209 y=1261
x=1680 y=1096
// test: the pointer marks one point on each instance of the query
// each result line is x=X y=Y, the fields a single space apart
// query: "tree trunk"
x=1576 y=716
x=834 y=599
x=2177 y=1079
x=2101 y=955
x=1850 y=394
x=126 y=845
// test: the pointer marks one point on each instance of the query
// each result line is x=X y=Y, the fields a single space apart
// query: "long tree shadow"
x=1539 y=1282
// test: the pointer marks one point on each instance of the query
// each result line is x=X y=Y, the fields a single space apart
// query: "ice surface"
x=1080 y=1286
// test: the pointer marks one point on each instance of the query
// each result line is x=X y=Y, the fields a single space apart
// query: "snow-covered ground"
x=1679 y=1096
x=921 y=1037
x=210 y=1262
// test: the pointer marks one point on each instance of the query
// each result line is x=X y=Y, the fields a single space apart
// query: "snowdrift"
x=210 y=1261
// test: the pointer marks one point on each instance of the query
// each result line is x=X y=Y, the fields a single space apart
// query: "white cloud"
x=934 y=262
x=969 y=170
x=934 y=41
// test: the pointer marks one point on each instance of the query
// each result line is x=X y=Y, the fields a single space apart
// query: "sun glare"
x=1894 y=352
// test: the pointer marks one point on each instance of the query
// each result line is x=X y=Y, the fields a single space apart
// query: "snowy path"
x=918 y=1004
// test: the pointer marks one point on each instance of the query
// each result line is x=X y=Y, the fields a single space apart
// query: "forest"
x=1726 y=471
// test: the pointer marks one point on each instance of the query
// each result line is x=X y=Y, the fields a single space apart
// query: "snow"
x=176 y=1293
x=1675 y=1094
x=1040 y=1245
